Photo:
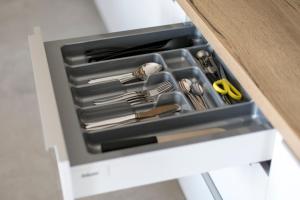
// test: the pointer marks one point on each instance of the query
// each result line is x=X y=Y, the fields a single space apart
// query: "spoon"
x=185 y=86
x=208 y=65
x=197 y=89
x=142 y=73
x=202 y=54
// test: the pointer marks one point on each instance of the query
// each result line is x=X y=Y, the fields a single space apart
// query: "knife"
x=170 y=108
x=135 y=142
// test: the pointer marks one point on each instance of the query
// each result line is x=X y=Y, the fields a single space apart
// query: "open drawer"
x=187 y=141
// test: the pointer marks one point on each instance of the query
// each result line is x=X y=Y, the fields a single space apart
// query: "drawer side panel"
x=52 y=130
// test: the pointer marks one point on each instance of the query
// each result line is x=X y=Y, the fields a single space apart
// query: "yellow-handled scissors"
x=224 y=87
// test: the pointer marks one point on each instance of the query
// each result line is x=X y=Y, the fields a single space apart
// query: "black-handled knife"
x=135 y=142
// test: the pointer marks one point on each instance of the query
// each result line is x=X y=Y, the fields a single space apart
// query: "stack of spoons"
x=194 y=92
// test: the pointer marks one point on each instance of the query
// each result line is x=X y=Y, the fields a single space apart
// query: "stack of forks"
x=138 y=97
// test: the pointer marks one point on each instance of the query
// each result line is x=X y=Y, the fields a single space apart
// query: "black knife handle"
x=127 y=143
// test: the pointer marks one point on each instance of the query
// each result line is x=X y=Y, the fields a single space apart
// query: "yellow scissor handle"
x=227 y=88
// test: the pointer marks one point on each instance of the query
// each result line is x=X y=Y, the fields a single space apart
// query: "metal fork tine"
x=161 y=86
x=169 y=89
x=166 y=89
x=139 y=97
x=165 y=85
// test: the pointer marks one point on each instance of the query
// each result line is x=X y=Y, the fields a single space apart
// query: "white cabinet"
x=245 y=182
x=250 y=181
x=285 y=173
x=120 y=15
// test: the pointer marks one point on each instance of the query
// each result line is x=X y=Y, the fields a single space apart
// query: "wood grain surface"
x=259 y=40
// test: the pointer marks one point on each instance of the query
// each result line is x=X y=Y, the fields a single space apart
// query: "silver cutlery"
x=208 y=65
x=142 y=73
x=170 y=108
x=198 y=91
x=207 y=61
x=185 y=86
x=137 y=97
x=215 y=73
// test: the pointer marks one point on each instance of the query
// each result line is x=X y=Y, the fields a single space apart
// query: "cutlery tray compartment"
x=85 y=95
x=80 y=75
x=111 y=111
x=76 y=53
x=180 y=58
x=235 y=120
x=71 y=72
x=195 y=74
x=193 y=51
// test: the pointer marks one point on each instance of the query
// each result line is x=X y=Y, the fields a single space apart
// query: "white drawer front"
x=141 y=169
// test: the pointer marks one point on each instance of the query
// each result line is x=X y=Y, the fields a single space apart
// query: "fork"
x=137 y=97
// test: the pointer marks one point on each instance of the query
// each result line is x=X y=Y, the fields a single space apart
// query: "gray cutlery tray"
x=70 y=74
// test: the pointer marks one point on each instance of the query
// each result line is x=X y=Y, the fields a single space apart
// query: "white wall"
x=119 y=15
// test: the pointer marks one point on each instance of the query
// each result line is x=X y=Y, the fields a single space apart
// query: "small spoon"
x=185 y=86
x=197 y=89
x=202 y=54
x=142 y=73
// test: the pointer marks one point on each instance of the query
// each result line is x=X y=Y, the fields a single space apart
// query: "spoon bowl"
x=185 y=85
x=148 y=69
x=198 y=90
x=202 y=54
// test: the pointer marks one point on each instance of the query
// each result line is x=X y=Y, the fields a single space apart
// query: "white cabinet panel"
x=120 y=15
x=246 y=182
x=195 y=188
x=285 y=173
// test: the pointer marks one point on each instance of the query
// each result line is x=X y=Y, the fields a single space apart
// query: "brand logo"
x=89 y=174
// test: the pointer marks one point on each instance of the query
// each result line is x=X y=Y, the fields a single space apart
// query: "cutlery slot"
x=83 y=74
x=80 y=52
x=155 y=79
x=194 y=74
x=177 y=98
x=177 y=59
x=219 y=62
x=85 y=95
x=93 y=114
x=101 y=113
x=235 y=120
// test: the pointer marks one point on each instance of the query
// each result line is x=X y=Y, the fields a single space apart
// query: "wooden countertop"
x=259 y=40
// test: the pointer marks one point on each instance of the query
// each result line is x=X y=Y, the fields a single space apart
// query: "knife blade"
x=133 y=117
x=135 y=142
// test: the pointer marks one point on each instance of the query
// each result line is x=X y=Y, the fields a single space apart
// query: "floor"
x=27 y=171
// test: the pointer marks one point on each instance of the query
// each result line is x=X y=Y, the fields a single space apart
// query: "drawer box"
x=62 y=71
